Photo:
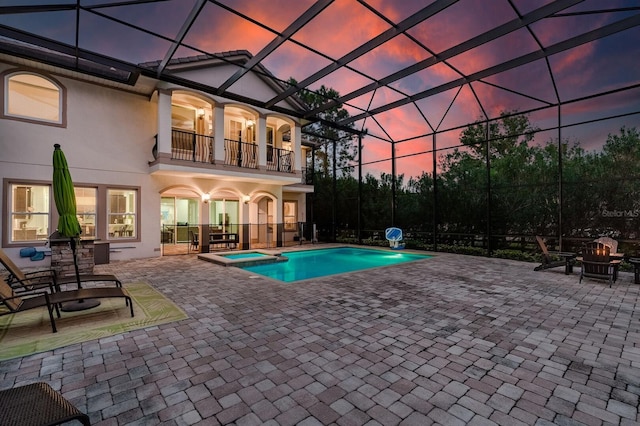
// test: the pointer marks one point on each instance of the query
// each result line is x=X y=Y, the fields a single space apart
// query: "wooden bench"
x=37 y=404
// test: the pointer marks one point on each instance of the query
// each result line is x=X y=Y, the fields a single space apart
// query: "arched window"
x=33 y=97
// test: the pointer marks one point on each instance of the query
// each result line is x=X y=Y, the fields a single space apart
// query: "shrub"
x=515 y=255
x=450 y=248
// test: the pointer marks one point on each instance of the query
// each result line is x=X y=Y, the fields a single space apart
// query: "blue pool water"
x=243 y=255
x=307 y=264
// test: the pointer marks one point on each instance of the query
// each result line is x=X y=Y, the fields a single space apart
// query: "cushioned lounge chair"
x=20 y=301
x=39 y=279
x=555 y=259
x=37 y=404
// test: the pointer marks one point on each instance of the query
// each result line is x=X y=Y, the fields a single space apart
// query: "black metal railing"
x=280 y=160
x=307 y=176
x=189 y=238
x=241 y=154
x=191 y=146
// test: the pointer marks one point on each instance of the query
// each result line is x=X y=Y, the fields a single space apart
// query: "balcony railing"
x=279 y=159
x=191 y=146
x=241 y=154
x=307 y=176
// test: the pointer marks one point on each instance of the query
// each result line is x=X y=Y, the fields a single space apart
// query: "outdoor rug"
x=30 y=332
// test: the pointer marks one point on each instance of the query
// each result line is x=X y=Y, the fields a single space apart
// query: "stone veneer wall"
x=62 y=257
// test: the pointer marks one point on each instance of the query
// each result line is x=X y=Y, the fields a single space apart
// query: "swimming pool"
x=307 y=264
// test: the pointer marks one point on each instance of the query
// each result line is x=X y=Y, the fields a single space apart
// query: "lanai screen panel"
x=456 y=62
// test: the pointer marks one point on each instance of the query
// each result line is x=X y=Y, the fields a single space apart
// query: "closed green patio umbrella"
x=64 y=196
x=68 y=225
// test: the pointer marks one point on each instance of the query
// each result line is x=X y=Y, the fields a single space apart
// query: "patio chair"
x=194 y=240
x=17 y=301
x=555 y=259
x=40 y=279
x=596 y=263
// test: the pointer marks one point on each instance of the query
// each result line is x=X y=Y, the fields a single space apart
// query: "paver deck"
x=450 y=340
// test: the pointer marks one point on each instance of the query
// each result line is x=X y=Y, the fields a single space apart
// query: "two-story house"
x=152 y=161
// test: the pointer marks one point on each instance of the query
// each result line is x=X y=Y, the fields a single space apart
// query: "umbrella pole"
x=82 y=304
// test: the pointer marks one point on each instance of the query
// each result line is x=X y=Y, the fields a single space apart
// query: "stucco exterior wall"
x=108 y=140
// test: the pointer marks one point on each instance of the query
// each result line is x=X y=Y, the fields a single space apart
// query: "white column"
x=262 y=142
x=164 y=121
x=298 y=161
x=204 y=212
x=277 y=206
x=218 y=132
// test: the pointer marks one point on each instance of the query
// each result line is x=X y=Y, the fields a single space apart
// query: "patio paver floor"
x=449 y=340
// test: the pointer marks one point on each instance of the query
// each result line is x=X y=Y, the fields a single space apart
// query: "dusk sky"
x=580 y=71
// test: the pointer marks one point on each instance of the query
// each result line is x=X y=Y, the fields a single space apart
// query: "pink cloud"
x=340 y=28
x=287 y=11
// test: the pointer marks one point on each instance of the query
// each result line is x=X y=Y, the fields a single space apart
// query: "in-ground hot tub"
x=244 y=258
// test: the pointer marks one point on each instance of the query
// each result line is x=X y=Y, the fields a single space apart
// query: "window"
x=121 y=213
x=286 y=140
x=183 y=118
x=235 y=130
x=29 y=220
x=290 y=215
x=224 y=215
x=86 y=207
x=103 y=213
x=33 y=97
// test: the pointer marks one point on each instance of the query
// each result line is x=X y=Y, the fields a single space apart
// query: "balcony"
x=191 y=146
x=194 y=154
x=240 y=154
x=279 y=160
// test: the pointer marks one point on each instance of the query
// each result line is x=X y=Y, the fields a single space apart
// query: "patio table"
x=569 y=259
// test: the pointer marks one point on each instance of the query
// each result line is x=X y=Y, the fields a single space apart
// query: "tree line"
x=498 y=181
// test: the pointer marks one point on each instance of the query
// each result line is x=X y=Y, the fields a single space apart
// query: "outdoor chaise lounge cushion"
x=37 y=404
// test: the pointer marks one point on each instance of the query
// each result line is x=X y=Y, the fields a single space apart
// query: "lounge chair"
x=39 y=279
x=19 y=301
x=550 y=259
x=37 y=404
x=596 y=263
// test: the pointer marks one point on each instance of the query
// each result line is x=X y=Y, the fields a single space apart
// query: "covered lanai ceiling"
x=404 y=69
